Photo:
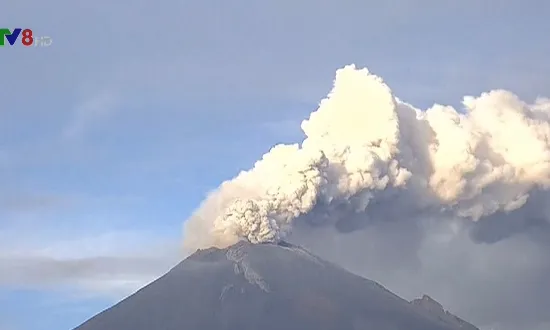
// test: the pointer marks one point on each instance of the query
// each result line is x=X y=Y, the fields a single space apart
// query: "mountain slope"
x=436 y=309
x=268 y=287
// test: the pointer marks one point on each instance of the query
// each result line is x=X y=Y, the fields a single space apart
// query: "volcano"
x=268 y=287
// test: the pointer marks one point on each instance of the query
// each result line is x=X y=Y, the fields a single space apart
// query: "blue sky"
x=113 y=135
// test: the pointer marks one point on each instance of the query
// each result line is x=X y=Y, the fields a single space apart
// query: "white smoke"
x=364 y=147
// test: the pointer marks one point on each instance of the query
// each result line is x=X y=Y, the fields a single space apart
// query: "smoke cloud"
x=446 y=202
x=369 y=157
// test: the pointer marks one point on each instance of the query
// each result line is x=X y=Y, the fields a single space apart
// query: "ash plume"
x=366 y=150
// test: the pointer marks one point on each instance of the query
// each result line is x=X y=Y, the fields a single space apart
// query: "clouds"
x=434 y=201
x=364 y=148
x=89 y=111
x=113 y=264
x=112 y=276
x=15 y=202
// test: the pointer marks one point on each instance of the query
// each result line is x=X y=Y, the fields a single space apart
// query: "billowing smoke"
x=370 y=157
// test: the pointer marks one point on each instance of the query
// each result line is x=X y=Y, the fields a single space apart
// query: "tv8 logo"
x=27 y=38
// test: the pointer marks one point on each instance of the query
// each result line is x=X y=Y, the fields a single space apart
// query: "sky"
x=112 y=136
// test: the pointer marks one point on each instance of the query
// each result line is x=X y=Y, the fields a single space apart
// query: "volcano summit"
x=269 y=287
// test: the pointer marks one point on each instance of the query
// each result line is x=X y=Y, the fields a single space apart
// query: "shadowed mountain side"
x=268 y=287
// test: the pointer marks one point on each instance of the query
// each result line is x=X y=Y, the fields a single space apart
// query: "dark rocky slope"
x=267 y=287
